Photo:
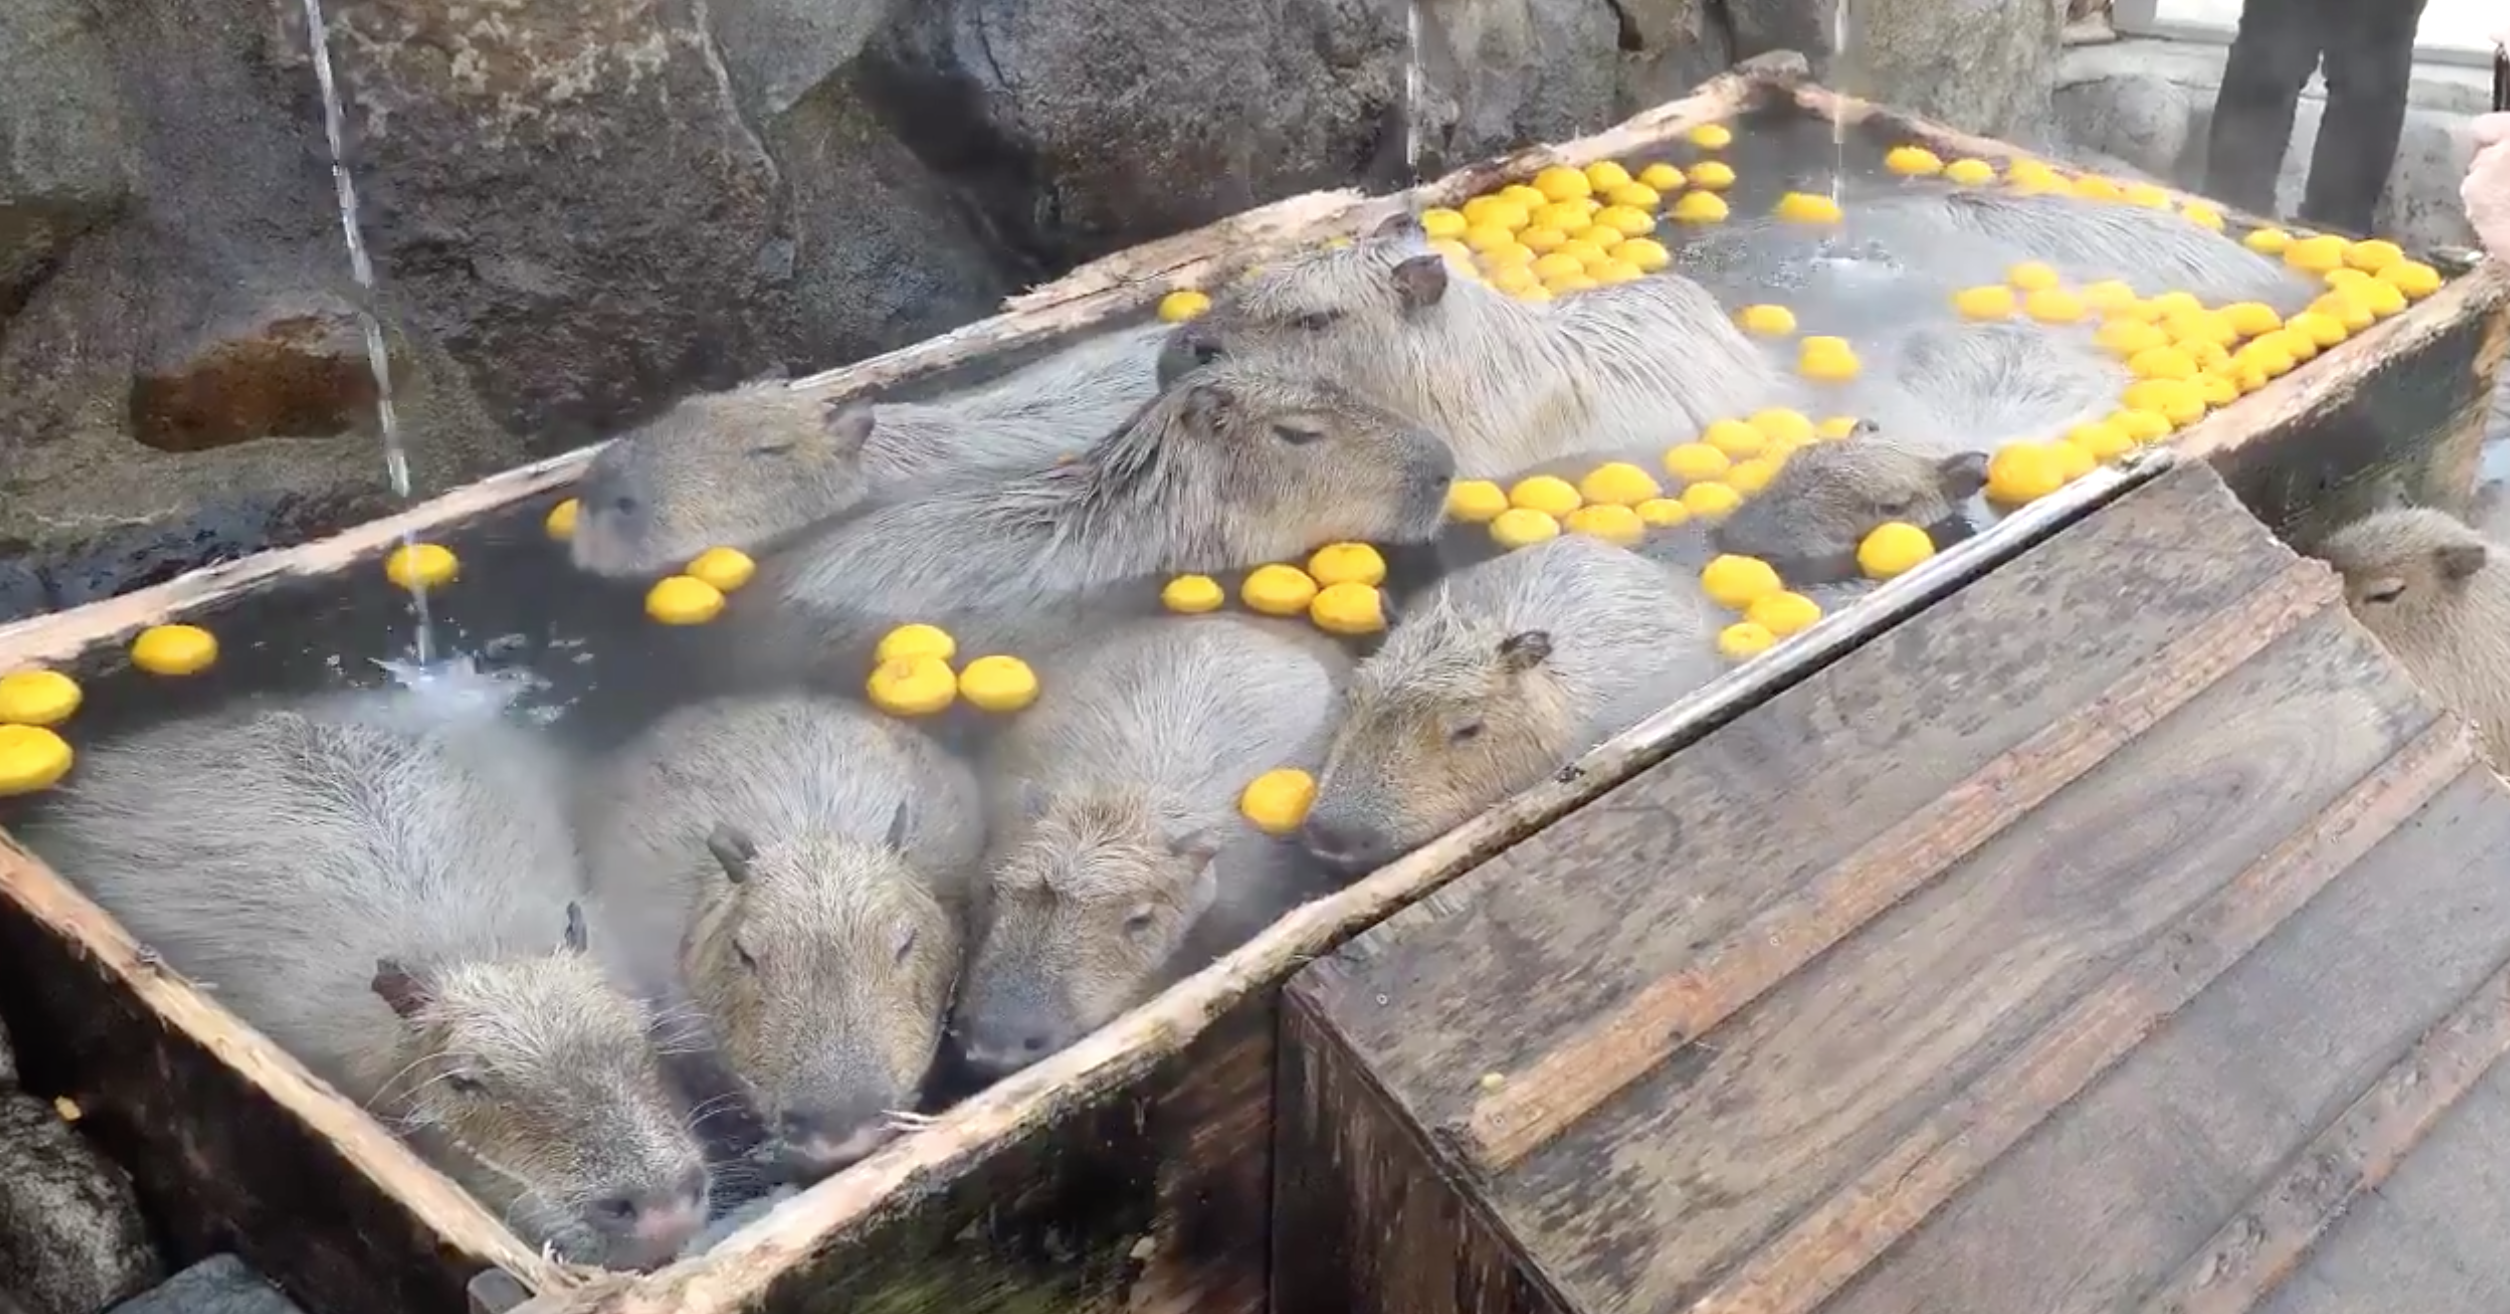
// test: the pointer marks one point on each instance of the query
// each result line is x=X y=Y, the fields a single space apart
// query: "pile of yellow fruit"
x=911 y=675
x=1339 y=590
x=1569 y=229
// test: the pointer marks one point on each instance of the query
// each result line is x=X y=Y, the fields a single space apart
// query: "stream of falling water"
x=396 y=461
x=1838 y=81
x=1415 y=88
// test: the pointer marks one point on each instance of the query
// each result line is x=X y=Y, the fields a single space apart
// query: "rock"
x=566 y=191
x=2140 y=118
x=1080 y=127
x=64 y=167
x=8 y=1054
x=1668 y=47
x=220 y=1284
x=71 y=1240
x=1521 y=71
x=285 y=366
x=1984 y=66
x=23 y=592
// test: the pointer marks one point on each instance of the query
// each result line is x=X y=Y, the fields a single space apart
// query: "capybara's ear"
x=1962 y=474
x=1524 y=650
x=404 y=990
x=2457 y=561
x=733 y=850
x=577 y=937
x=1209 y=405
x=1421 y=281
x=850 y=423
x=1402 y=223
x=898 y=826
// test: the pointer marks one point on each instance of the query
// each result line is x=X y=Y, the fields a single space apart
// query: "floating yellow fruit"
x=1439 y=221
x=1783 y=613
x=1646 y=253
x=2217 y=389
x=2129 y=338
x=2032 y=276
x=1692 y=462
x=2161 y=363
x=1617 y=483
x=1515 y=255
x=1826 y=359
x=1563 y=286
x=1277 y=590
x=2055 y=305
x=2373 y=255
x=1970 y=173
x=2345 y=309
x=2074 y=462
x=2108 y=296
x=560 y=523
x=1604 y=175
x=2322 y=329
x=1783 y=427
x=1566 y=217
x=2316 y=255
x=2027 y=172
x=1541 y=240
x=1488 y=237
x=421 y=565
x=2024 y=472
x=2383 y=298
x=1185 y=303
x=1663 y=177
x=2203 y=216
x=31 y=758
x=1475 y=501
x=919 y=640
x=1518 y=527
x=1892 y=549
x=1192 y=595
x=1912 y=161
x=1699 y=208
x=1837 y=426
x=917 y=685
x=2103 y=440
x=1346 y=563
x=1714 y=175
x=2268 y=354
x=2295 y=340
x=2346 y=277
x=1634 y=195
x=1749 y=477
x=1744 y=640
x=2145 y=195
x=2250 y=318
x=2176 y=400
x=1587 y=252
x=1735 y=438
x=1558 y=264
x=1710 y=500
x=1562 y=183
x=1348 y=607
x=1766 y=320
x=1712 y=136
x=2142 y=426
x=37 y=698
x=2267 y=241
x=1625 y=220
x=1523 y=194
x=2093 y=187
x=1608 y=521
x=2412 y=277
x=1985 y=302
x=1808 y=208
x=174 y=649
x=1515 y=280
x=1497 y=211
x=683 y=600
x=725 y=568
x=1277 y=801
x=1736 y=582
x=999 y=683
x=1616 y=271
x=2177 y=302
x=1549 y=494
x=1663 y=513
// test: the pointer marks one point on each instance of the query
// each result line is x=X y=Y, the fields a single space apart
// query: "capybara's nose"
x=997 y=1052
x=1347 y=849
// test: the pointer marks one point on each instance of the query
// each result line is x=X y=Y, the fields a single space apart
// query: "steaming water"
x=396 y=461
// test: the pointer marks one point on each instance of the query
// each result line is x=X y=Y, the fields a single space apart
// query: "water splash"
x=396 y=461
x=456 y=688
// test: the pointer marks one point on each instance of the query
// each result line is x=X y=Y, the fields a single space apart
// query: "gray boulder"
x=2141 y=118
x=71 y=1240
x=63 y=169
x=1985 y=66
x=220 y=1284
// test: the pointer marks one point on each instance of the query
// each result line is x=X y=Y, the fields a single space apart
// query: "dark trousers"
x=2368 y=47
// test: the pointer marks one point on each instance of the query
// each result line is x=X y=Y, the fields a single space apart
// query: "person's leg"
x=2271 y=60
x=2370 y=67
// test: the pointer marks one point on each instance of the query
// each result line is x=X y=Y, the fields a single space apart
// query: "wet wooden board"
x=2084 y=944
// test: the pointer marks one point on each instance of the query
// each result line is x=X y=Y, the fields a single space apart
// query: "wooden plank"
x=232 y=1143
x=2097 y=1210
x=1956 y=1141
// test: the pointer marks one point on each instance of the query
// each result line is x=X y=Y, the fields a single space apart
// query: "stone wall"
x=581 y=209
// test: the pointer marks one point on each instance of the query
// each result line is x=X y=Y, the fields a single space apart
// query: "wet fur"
x=1117 y=794
x=1830 y=495
x=2437 y=594
x=1512 y=384
x=1621 y=637
x=277 y=855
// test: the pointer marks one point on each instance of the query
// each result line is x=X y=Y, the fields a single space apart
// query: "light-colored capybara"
x=1829 y=496
x=1122 y=861
x=802 y=863
x=750 y=467
x=1510 y=383
x=1234 y=466
x=1955 y=386
x=1498 y=676
x=2153 y=250
x=2437 y=593
x=395 y=904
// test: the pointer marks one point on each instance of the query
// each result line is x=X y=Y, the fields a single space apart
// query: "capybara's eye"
x=1294 y=435
x=1314 y=321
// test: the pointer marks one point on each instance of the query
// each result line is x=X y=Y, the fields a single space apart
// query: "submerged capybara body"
x=1234 y=466
x=1951 y=387
x=1510 y=384
x=750 y=467
x=2152 y=249
x=2437 y=594
x=393 y=903
x=1499 y=675
x=1121 y=860
x=795 y=867
x=1829 y=496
